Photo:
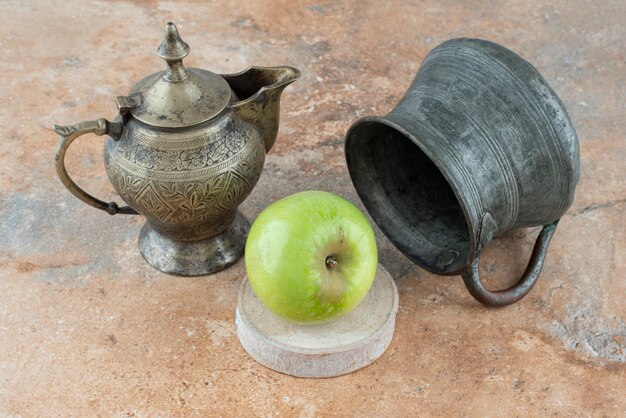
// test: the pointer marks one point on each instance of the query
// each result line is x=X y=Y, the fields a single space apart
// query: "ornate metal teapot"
x=187 y=148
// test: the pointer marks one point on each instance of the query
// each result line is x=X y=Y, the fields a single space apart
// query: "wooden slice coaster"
x=322 y=350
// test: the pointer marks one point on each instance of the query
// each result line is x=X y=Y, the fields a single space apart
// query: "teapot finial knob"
x=173 y=49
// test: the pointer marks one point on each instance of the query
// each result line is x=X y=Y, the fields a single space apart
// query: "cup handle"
x=514 y=293
x=68 y=135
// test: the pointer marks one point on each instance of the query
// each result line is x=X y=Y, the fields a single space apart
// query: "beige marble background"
x=88 y=329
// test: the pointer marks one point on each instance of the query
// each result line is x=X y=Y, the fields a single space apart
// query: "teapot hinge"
x=125 y=104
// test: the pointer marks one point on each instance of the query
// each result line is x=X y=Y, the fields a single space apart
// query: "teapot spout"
x=257 y=93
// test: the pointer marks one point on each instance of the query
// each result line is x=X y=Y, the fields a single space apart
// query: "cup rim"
x=473 y=225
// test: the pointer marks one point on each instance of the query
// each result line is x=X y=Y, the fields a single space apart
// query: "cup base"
x=194 y=258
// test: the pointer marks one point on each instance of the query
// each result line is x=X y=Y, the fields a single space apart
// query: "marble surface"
x=88 y=328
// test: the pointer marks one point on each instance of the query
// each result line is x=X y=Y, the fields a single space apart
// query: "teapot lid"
x=178 y=96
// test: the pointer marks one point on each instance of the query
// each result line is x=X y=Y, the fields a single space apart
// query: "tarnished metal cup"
x=479 y=145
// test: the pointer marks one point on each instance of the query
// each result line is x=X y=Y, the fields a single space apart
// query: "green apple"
x=311 y=256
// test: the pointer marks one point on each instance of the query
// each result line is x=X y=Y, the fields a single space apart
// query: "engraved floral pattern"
x=216 y=176
x=193 y=159
x=169 y=161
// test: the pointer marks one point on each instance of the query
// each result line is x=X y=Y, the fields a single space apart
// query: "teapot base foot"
x=194 y=258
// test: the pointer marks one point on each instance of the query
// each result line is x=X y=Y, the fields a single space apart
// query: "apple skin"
x=311 y=256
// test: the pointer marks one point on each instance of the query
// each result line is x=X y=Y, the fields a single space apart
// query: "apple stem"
x=331 y=263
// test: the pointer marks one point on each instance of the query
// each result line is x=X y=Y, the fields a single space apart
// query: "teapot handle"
x=68 y=135
x=514 y=293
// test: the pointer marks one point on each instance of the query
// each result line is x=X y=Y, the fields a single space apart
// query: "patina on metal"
x=187 y=148
x=479 y=145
